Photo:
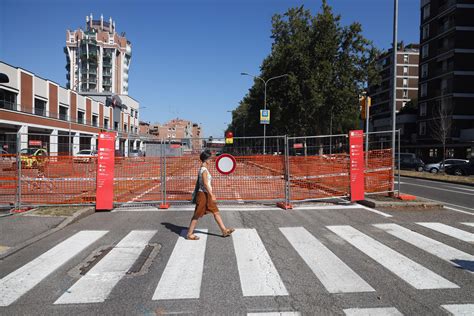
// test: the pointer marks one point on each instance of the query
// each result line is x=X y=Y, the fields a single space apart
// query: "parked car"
x=465 y=169
x=409 y=161
x=85 y=155
x=437 y=167
x=134 y=153
x=33 y=157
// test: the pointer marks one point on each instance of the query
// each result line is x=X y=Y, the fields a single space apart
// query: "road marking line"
x=20 y=281
x=96 y=285
x=460 y=309
x=182 y=276
x=468 y=224
x=375 y=211
x=275 y=314
x=435 y=188
x=411 y=272
x=333 y=273
x=456 y=210
x=258 y=275
x=379 y=311
x=450 y=231
x=436 y=248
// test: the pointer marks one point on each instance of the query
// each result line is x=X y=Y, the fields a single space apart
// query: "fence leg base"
x=164 y=206
x=20 y=210
x=284 y=205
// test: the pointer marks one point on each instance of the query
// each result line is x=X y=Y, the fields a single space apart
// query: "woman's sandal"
x=227 y=232
x=192 y=237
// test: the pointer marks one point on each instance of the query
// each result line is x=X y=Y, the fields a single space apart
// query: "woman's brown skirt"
x=204 y=205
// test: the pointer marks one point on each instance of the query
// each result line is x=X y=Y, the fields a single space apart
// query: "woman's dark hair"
x=205 y=155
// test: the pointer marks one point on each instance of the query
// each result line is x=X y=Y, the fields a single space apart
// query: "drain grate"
x=145 y=259
x=95 y=259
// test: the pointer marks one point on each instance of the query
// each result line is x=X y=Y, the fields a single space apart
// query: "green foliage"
x=328 y=66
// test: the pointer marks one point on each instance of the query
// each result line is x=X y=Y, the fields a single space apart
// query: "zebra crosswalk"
x=182 y=276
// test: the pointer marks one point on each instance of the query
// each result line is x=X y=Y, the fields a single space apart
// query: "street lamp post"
x=264 y=98
x=394 y=86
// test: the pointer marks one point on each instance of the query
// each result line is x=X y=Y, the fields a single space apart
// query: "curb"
x=380 y=204
x=437 y=180
x=67 y=221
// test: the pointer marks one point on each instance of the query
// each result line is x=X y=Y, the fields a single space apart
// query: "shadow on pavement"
x=181 y=230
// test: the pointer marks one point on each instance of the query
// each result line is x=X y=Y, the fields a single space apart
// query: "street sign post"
x=356 y=153
x=226 y=164
x=264 y=116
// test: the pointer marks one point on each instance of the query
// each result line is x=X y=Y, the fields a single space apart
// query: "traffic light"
x=229 y=137
x=364 y=101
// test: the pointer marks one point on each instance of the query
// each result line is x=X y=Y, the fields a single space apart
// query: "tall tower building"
x=98 y=58
x=446 y=94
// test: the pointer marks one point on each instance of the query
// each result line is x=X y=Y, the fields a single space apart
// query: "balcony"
x=107 y=73
x=445 y=49
x=447 y=5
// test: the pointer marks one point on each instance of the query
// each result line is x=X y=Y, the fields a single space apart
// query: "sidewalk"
x=22 y=229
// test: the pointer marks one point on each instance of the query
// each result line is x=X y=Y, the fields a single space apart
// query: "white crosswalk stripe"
x=411 y=272
x=378 y=311
x=450 y=231
x=97 y=284
x=429 y=245
x=468 y=224
x=183 y=273
x=20 y=281
x=275 y=314
x=333 y=273
x=460 y=309
x=258 y=275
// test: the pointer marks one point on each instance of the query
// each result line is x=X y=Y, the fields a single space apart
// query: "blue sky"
x=187 y=54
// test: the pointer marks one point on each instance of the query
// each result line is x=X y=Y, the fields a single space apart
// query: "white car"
x=85 y=155
x=437 y=167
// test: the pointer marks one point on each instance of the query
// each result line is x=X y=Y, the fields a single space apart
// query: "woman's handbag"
x=195 y=192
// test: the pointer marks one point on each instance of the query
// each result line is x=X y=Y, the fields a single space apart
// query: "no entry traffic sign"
x=226 y=164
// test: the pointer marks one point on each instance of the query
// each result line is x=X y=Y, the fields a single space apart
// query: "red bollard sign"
x=356 y=152
x=105 y=172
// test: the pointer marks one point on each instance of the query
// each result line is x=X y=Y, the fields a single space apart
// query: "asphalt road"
x=455 y=196
x=321 y=261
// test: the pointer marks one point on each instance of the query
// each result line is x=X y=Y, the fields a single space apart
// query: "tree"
x=328 y=66
x=441 y=125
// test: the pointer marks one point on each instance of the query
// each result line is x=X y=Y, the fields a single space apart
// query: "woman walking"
x=205 y=200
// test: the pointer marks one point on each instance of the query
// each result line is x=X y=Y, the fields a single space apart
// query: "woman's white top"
x=202 y=188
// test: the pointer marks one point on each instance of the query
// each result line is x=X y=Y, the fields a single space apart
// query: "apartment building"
x=446 y=94
x=98 y=58
x=60 y=119
x=407 y=89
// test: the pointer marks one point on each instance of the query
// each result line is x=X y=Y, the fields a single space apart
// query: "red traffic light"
x=229 y=135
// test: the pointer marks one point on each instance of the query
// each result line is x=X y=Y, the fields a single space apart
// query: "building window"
x=405 y=58
x=7 y=100
x=63 y=113
x=405 y=93
x=426 y=11
x=80 y=117
x=425 y=51
x=424 y=89
x=433 y=152
x=423 y=109
x=40 y=107
x=106 y=123
x=116 y=126
x=405 y=70
x=125 y=127
x=422 y=130
x=405 y=82
x=424 y=70
x=94 y=120
x=426 y=31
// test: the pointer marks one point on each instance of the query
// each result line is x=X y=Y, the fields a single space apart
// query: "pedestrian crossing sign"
x=264 y=116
